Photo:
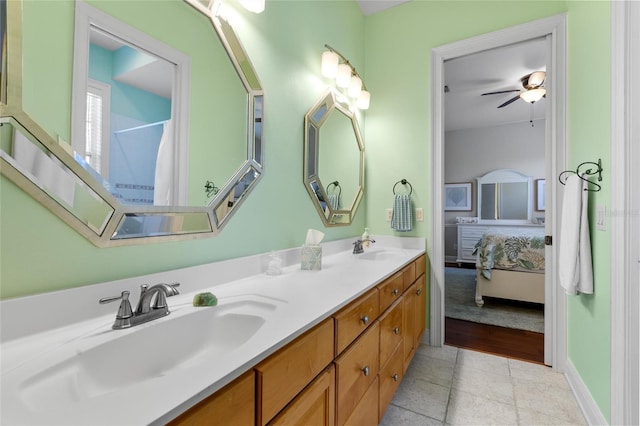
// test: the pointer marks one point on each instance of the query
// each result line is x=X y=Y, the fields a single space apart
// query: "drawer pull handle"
x=396 y=292
x=396 y=330
x=395 y=377
x=365 y=371
x=365 y=320
x=419 y=291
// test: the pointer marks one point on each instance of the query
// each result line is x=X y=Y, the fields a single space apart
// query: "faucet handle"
x=123 y=317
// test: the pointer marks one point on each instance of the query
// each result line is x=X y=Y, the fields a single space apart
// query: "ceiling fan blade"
x=502 y=91
x=515 y=98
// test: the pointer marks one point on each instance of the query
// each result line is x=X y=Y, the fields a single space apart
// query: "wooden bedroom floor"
x=508 y=342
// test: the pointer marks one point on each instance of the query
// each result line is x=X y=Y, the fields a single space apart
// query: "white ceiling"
x=369 y=7
x=493 y=70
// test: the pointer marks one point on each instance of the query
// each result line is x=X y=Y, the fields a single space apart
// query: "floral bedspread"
x=521 y=250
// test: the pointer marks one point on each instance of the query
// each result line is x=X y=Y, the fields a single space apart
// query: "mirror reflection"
x=202 y=101
x=504 y=195
x=334 y=160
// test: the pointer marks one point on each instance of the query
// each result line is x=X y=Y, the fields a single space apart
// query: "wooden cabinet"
x=356 y=369
x=344 y=371
x=232 y=405
x=355 y=318
x=284 y=374
x=315 y=405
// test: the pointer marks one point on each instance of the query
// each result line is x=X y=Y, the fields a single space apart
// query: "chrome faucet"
x=148 y=308
x=357 y=245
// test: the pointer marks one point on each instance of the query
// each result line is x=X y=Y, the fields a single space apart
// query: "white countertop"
x=72 y=322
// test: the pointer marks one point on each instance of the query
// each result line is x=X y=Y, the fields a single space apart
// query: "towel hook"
x=337 y=185
x=404 y=182
x=589 y=172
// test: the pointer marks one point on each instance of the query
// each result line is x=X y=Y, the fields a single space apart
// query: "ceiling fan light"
x=536 y=78
x=533 y=95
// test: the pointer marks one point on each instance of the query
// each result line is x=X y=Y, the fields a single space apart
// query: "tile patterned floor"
x=451 y=386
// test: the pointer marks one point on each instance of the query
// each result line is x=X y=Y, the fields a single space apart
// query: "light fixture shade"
x=536 y=78
x=255 y=6
x=344 y=76
x=533 y=95
x=329 y=67
x=355 y=86
x=363 y=100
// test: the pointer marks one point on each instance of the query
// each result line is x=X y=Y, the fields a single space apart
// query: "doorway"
x=553 y=29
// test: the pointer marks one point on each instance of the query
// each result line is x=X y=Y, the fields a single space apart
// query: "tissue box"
x=311 y=257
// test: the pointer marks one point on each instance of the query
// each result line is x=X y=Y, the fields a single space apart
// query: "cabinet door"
x=232 y=405
x=356 y=369
x=409 y=324
x=390 y=376
x=316 y=405
x=366 y=412
x=391 y=331
x=420 y=309
x=355 y=318
x=283 y=375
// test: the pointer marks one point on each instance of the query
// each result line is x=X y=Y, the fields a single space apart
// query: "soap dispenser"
x=366 y=238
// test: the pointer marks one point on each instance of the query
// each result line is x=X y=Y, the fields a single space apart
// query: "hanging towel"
x=575 y=270
x=334 y=201
x=402 y=218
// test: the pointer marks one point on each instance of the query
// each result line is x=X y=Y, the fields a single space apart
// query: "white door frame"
x=625 y=212
x=554 y=28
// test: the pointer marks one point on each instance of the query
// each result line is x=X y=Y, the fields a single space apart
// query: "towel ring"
x=404 y=182
x=337 y=185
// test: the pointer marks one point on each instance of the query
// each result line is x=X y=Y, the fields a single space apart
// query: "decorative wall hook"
x=581 y=172
x=404 y=182
x=210 y=189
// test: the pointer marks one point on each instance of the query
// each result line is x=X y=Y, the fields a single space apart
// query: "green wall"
x=40 y=253
x=398 y=45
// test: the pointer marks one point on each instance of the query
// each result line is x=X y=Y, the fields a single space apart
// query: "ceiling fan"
x=533 y=85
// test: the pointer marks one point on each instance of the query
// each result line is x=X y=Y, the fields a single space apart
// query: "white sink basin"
x=186 y=338
x=381 y=254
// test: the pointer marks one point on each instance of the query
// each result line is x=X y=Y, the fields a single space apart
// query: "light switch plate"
x=601 y=217
x=420 y=214
x=389 y=214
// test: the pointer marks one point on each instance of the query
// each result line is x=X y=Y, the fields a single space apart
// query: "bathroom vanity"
x=321 y=347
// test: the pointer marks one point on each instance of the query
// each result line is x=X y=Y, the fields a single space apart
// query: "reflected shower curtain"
x=162 y=195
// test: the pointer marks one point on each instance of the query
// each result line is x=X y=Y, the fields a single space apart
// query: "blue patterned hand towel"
x=334 y=201
x=402 y=219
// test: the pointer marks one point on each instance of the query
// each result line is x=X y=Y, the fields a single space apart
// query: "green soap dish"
x=205 y=299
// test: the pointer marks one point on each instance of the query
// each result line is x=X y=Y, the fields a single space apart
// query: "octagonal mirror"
x=166 y=127
x=333 y=159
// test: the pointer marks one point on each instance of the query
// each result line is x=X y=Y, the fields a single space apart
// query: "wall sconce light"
x=255 y=6
x=533 y=95
x=345 y=75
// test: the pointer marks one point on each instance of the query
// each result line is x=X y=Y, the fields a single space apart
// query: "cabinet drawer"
x=355 y=318
x=316 y=405
x=421 y=266
x=390 y=290
x=472 y=231
x=366 y=412
x=231 y=405
x=356 y=369
x=409 y=275
x=390 y=331
x=390 y=376
x=281 y=376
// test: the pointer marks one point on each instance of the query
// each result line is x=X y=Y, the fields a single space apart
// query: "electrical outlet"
x=420 y=214
x=389 y=214
x=601 y=216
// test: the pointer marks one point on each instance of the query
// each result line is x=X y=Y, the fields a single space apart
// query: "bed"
x=510 y=265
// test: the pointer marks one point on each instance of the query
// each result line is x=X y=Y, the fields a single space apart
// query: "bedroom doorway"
x=553 y=33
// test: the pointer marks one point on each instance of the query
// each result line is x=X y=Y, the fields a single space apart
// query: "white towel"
x=334 y=201
x=575 y=271
x=402 y=219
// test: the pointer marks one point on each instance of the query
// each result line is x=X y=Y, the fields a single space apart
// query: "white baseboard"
x=426 y=337
x=589 y=408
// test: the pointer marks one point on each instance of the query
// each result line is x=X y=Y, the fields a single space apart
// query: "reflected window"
x=96 y=152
